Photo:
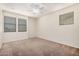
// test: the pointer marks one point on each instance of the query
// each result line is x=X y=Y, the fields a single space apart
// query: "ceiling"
x=33 y=9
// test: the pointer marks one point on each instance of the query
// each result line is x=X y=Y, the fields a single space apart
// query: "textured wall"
x=49 y=28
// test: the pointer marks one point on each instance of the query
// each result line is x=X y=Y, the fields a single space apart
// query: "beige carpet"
x=37 y=47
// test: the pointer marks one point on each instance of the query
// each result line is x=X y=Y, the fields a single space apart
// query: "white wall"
x=32 y=27
x=13 y=36
x=49 y=28
x=1 y=28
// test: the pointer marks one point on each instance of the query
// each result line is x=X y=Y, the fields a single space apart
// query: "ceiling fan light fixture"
x=36 y=11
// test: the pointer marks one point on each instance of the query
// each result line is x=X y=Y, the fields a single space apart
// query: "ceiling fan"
x=37 y=8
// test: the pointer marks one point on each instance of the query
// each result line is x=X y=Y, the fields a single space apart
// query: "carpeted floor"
x=37 y=47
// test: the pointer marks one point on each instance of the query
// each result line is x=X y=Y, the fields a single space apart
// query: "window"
x=21 y=25
x=66 y=19
x=9 y=24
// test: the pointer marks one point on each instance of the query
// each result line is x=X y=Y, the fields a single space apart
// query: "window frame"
x=15 y=24
x=63 y=18
x=25 y=25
